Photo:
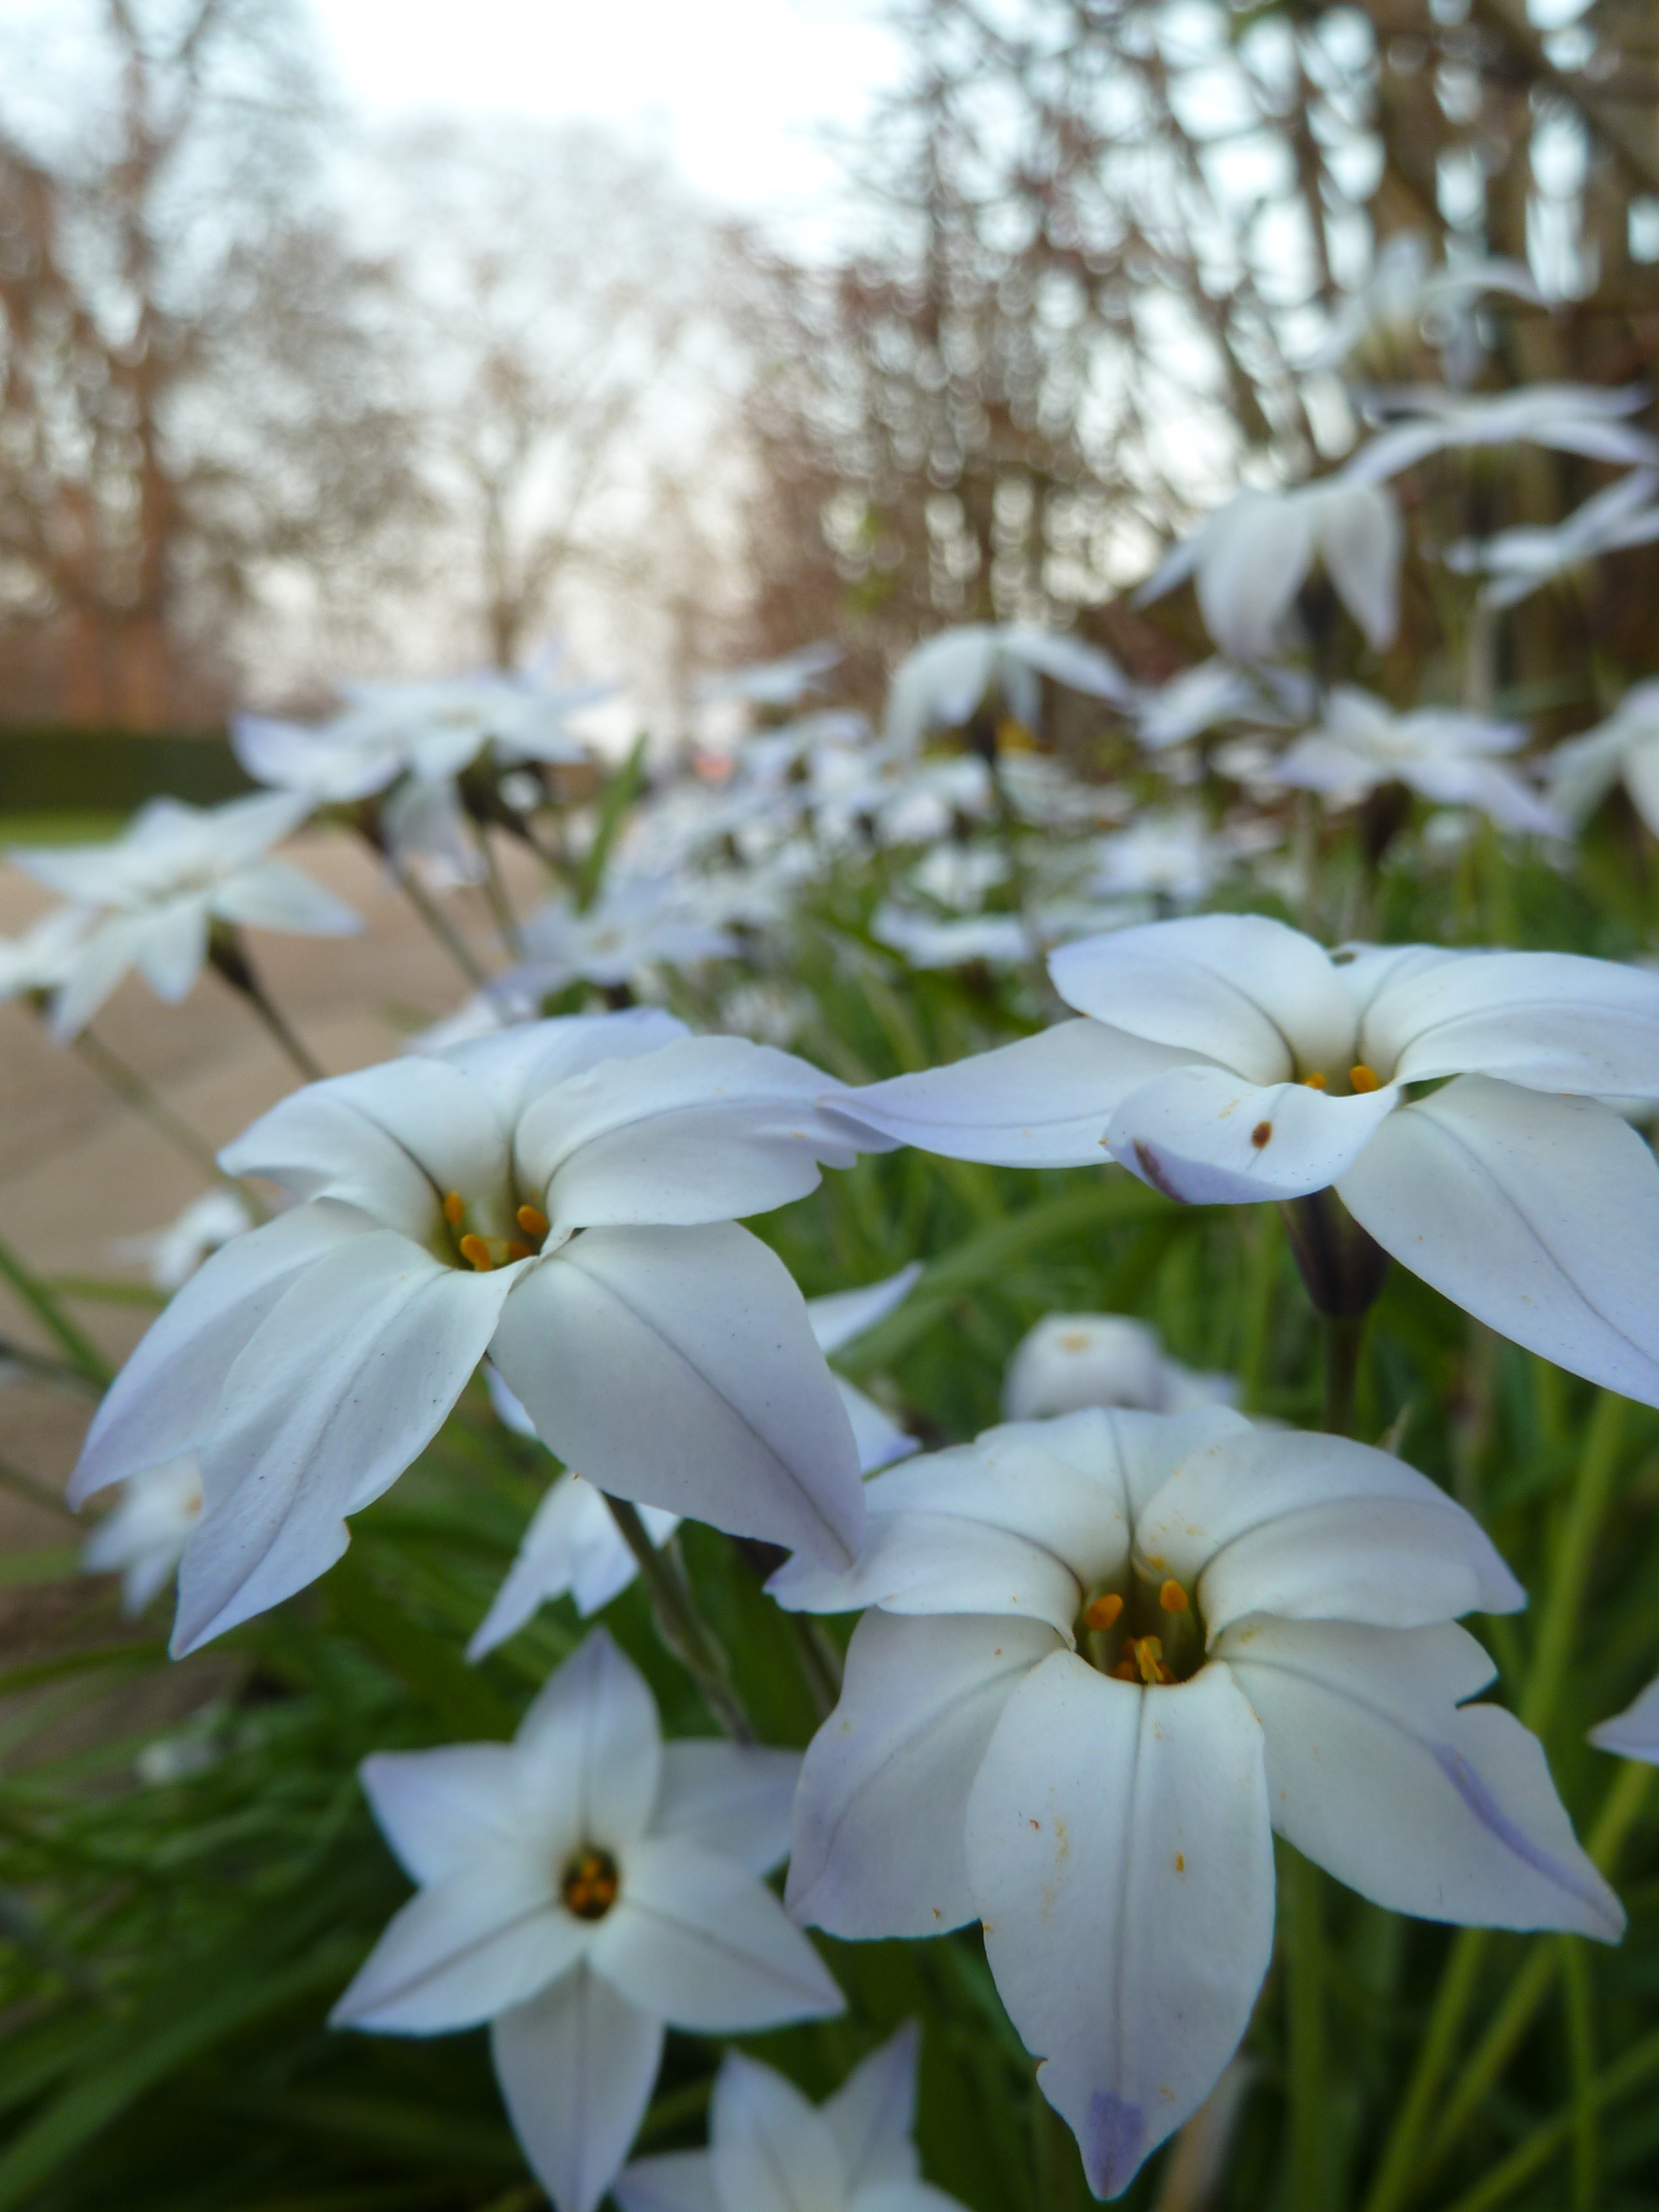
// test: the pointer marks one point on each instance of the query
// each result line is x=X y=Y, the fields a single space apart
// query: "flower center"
x=591 y=1884
x=481 y=1252
x=1361 y=1079
x=1148 y=1633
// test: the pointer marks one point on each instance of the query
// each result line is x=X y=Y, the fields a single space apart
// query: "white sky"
x=739 y=91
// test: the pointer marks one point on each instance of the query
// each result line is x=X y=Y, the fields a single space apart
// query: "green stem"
x=1581 y=2053
x=1637 y=2068
x=1527 y=1991
x=495 y=892
x=33 y=1492
x=82 y=1354
x=132 y=1090
x=1342 y=1335
x=438 y=923
x=229 y=957
x=1394 y=2171
x=820 y=1662
x=1312 y=2180
x=1570 y=1558
x=682 y=1628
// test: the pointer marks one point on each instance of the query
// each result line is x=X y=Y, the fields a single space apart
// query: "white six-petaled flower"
x=1445 y=755
x=1109 y=1655
x=770 y=2150
x=562 y=1196
x=1453 y=1100
x=580 y=1888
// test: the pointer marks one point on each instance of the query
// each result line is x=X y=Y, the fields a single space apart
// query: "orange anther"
x=1101 y=1612
x=533 y=1221
x=1315 y=1081
x=1172 y=1597
x=1126 y=1671
x=454 y=1209
x=474 y=1248
x=517 y=1251
x=1149 y=1657
x=1365 y=1078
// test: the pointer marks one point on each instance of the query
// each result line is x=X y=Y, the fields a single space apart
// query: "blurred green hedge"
x=58 y=771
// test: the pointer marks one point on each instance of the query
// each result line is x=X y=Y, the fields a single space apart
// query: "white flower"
x=923 y=941
x=1444 y=755
x=1521 y=561
x=1168 y=856
x=143 y=1540
x=1069 y=1361
x=1196 y=701
x=635 y=923
x=1112 y=1653
x=1633 y=1733
x=1228 y=1058
x=156 y=889
x=771 y=2151
x=579 y=1888
x=1250 y=559
x=560 y=1196
x=1405 y=295
x=783 y=683
x=43 y=956
x=425 y=733
x=1572 y=418
x=171 y=1255
x=572 y=1544
x=940 y=685
x=1581 y=773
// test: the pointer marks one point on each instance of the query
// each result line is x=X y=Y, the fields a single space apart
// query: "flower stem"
x=82 y=1354
x=1312 y=2179
x=820 y=1662
x=132 y=1090
x=229 y=957
x=1569 y=1562
x=1342 y=1335
x=438 y=923
x=500 y=906
x=1634 y=2070
x=680 y=1627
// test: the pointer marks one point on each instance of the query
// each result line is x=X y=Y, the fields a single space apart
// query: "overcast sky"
x=739 y=92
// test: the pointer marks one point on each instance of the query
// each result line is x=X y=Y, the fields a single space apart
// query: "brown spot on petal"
x=1152 y=1168
x=1261 y=1133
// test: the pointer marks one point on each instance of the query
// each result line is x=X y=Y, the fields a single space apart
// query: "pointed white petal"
x=484 y=1938
x=1208 y=1137
x=772 y=2151
x=873 y=2113
x=676 y=1366
x=577 y=2067
x=91 y=971
x=844 y=1314
x=163 y=1401
x=169 y=944
x=1361 y=538
x=1042 y=1102
x=1319 y=1528
x=270 y=894
x=878 y=1816
x=589 y=1750
x=1256 y=556
x=1376 y=1772
x=702 y=1130
x=1121 y=1855
x=346 y=1380
x=557 y=1547
x=677 y=2181
x=877 y=1441
x=734 y=1800
x=1553 y=1020
x=707 y=1946
x=1247 y=993
x=1633 y=1733
x=1536 y=1214
x=1068 y=661
x=515 y=1066
x=440 y=1810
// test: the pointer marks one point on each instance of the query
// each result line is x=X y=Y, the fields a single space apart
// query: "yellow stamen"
x=517 y=1251
x=1149 y=1657
x=1315 y=1081
x=533 y=1221
x=1101 y=1612
x=454 y=1209
x=1172 y=1597
x=1013 y=737
x=475 y=1250
x=591 y=1885
x=1365 y=1078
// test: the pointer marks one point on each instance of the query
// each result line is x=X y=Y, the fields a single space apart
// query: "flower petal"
x=1361 y=538
x=577 y=2067
x=676 y=1366
x=873 y=2113
x=1422 y=1805
x=1319 y=1528
x=734 y=1800
x=346 y=1380
x=1209 y=1139
x=270 y=894
x=707 y=1946
x=1247 y=993
x=878 y=1814
x=702 y=1130
x=515 y=1066
x=844 y=1314
x=1043 y=1102
x=677 y=2181
x=1554 y=1020
x=485 y=1937
x=1253 y=560
x=163 y=1401
x=589 y=1749
x=1122 y=1858
x=440 y=1809
x=1539 y=1215
x=1633 y=1733
x=170 y=943
x=772 y=2151
x=878 y=1440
